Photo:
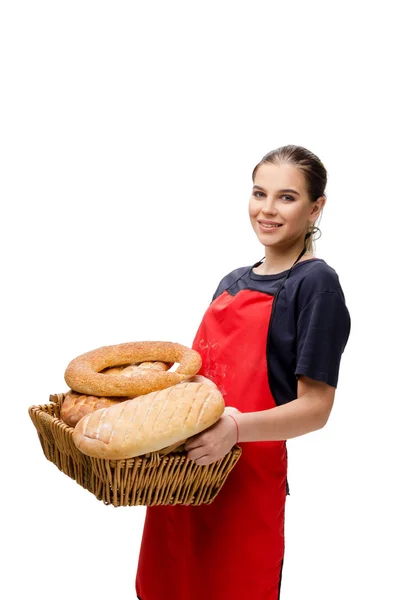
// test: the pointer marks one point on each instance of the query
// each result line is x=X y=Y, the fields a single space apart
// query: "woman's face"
x=279 y=196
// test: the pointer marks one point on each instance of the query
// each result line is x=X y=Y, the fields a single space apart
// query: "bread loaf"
x=134 y=369
x=150 y=422
x=75 y=406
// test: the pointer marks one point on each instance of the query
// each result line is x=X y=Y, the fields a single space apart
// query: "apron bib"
x=232 y=549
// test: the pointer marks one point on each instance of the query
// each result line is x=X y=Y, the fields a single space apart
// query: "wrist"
x=236 y=427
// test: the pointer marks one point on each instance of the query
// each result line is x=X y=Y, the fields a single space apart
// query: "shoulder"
x=229 y=279
x=315 y=277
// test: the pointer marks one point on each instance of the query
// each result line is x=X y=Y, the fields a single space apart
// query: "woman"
x=272 y=341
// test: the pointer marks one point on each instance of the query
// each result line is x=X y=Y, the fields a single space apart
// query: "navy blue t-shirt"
x=309 y=325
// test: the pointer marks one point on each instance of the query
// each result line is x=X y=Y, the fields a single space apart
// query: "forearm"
x=284 y=422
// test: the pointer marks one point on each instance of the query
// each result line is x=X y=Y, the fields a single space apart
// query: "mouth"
x=268 y=226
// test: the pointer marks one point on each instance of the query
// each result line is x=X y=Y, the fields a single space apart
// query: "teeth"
x=269 y=226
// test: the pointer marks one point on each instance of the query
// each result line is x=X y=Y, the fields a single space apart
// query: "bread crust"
x=75 y=406
x=149 y=423
x=131 y=370
x=83 y=373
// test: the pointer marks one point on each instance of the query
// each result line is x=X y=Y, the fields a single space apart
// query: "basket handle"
x=56 y=398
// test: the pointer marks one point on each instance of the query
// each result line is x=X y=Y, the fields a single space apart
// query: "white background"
x=129 y=134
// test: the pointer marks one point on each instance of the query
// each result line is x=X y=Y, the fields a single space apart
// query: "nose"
x=268 y=206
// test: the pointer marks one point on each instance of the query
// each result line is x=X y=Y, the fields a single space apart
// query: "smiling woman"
x=271 y=340
x=287 y=199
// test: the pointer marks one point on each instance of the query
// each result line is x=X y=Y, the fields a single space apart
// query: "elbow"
x=320 y=412
x=322 y=418
x=322 y=422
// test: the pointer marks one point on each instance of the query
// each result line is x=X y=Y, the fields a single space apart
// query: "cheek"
x=252 y=209
x=295 y=214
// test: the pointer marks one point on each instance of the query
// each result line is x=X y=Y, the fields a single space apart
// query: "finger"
x=192 y=444
x=205 y=461
x=229 y=409
x=196 y=455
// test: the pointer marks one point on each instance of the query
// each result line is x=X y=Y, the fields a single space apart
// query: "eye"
x=288 y=197
x=258 y=194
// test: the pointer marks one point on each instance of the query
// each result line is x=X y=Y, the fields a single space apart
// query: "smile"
x=268 y=226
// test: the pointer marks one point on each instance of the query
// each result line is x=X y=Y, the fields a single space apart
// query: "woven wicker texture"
x=156 y=478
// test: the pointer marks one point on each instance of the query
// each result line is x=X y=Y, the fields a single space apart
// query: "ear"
x=318 y=207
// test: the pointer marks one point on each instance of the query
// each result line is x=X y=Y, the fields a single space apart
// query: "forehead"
x=280 y=176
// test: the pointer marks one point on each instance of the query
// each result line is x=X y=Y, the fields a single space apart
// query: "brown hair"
x=313 y=171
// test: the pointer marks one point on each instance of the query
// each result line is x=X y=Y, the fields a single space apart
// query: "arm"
x=309 y=412
x=323 y=317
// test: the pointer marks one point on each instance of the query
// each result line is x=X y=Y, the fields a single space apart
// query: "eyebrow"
x=284 y=190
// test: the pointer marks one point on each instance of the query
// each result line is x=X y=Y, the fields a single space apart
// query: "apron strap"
x=290 y=269
x=259 y=262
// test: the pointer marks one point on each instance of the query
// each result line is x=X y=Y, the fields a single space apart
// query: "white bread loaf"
x=135 y=368
x=149 y=422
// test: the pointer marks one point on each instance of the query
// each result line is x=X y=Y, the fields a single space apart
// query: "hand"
x=213 y=443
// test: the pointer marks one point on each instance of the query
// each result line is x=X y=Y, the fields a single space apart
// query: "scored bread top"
x=150 y=422
x=76 y=406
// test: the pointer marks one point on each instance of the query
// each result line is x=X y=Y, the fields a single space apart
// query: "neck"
x=278 y=260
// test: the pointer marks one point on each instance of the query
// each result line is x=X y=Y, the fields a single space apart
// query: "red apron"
x=233 y=548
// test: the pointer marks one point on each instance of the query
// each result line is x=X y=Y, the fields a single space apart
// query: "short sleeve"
x=225 y=282
x=229 y=280
x=322 y=333
x=217 y=291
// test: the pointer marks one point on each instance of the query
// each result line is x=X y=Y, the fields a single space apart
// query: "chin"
x=268 y=240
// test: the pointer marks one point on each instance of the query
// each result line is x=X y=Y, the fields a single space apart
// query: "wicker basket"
x=157 y=478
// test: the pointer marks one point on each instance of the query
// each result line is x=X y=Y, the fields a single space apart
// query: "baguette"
x=150 y=422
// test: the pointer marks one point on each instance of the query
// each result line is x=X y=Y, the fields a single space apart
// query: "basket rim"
x=155 y=454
